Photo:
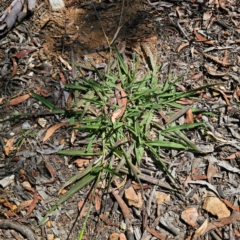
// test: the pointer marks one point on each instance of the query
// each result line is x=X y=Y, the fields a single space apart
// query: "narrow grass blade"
x=79 y=153
x=44 y=101
x=183 y=127
x=165 y=144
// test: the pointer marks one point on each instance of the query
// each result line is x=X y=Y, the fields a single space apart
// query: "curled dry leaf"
x=189 y=117
x=211 y=171
x=23 y=205
x=14 y=71
x=65 y=63
x=229 y=204
x=212 y=71
x=125 y=210
x=222 y=222
x=81 y=208
x=201 y=230
x=9 y=145
x=97 y=202
x=199 y=37
x=236 y=93
x=217 y=60
x=33 y=204
x=190 y=216
x=183 y=45
x=197 y=76
x=50 y=170
x=218 y=138
x=105 y=219
x=62 y=78
x=52 y=129
x=156 y=233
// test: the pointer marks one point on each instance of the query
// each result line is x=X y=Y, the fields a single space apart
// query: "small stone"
x=235 y=68
x=216 y=207
x=162 y=197
x=26 y=126
x=123 y=225
x=133 y=199
x=114 y=236
x=190 y=216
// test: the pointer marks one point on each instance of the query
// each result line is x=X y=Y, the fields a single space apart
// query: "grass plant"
x=122 y=142
x=119 y=113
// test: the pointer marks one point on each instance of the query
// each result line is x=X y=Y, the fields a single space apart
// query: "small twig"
x=182 y=31
x=25 y=231
x=151 y=180
x=178 y=114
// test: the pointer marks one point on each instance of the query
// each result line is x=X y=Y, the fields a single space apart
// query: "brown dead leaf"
x=229 y=204
x=81 y=208
x=218 y=138
x=201 y=230
x=190 y=216
x=26 y=185
x=216 y=207
x=125 y=210
x=236 y=93
x=52 y=129
x=217 y=60
x=133 y=198
x=97 y=202
x=189 y=117
x=222 y=222
x=9 y=145
x=105 y=219
x=199 y=36
x=20 y=99
x=212 y=71
x=232 y=156
x=211 y=171
x=197 y=76
x=25 y=52
x=33 y=203
x=23 y=205
x=62 y=78
x=50 y=169
x=238 y=57
x=10 y=205
x=14 y=71
x=185 y=101
x=183 y=45
x=156 y=233
x=237 y=233
x=203 y=39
